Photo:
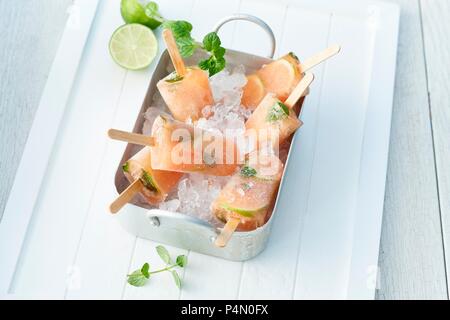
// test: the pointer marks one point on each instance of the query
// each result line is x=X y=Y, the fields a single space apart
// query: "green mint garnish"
x=246 y=186
x=187 y=45
x=278 y=111
x=216 y=61
x=182 y=33
x=137 y=279
x=140 y=277
x=248 y=172
x=126 y=167
x=176 y=278
x=163 y=254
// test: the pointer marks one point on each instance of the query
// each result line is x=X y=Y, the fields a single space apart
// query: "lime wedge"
x=134 y=11
x=133 y=46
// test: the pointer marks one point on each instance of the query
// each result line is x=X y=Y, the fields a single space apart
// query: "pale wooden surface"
x=412 y=262
x=31 y=32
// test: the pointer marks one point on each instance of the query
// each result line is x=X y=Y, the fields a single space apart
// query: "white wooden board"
x=322 y=243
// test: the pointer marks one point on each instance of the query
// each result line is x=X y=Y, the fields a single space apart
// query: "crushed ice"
x=196 y=192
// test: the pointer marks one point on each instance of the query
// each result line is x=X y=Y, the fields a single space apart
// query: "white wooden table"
x=417 y=207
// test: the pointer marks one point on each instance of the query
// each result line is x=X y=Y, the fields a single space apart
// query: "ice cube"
x=171 y=205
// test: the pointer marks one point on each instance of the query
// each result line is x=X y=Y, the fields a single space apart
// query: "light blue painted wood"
x=411 y=263
x=31 y=31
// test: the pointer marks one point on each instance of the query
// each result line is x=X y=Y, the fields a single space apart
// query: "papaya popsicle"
x=186 y=91
x=181 y=147
x=153 y=185
x=246 y=200
x=275 y=120
x=185 y=148
x=280 y=77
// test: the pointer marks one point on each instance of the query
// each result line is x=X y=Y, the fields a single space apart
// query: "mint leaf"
x=278 y=111
x=186 y=46
x=176 y=278
x=211 y=42
x=137 y=279
x=163 y=254
x=219 y=52
x=145 y=270
x=182 y=261
x=216 y=61
x=204 y=64
x=248 y=172
x=180 y=28
x=213 y=65
x=284 y=107
x=218 y=65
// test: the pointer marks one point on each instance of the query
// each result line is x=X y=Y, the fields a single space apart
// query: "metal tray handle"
x=255 y=20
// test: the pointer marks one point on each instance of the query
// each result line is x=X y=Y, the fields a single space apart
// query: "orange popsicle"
x=153 y=185
x=246 y=200
x=280 y=77
x=183 y=148
x=157 y=184
x=186 y=91
x=275 y=120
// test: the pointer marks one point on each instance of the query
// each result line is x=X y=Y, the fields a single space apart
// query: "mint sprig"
x=248 y=172
x=216 y=61
x=140 y=277
x=187 y=45
x=277 y=112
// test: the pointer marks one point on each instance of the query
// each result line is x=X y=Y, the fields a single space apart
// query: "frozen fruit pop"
x=275 y=120
x=186 y=91
x=280 y=77
x=153 y=185
x=246 y=200
x=184 y=148
x=181 y=147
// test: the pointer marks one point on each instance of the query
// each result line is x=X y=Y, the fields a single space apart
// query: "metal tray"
x=178 y=229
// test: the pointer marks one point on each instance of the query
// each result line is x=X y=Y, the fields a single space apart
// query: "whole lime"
x=133 y=11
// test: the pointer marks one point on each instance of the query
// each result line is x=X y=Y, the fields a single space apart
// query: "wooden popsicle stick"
x=320 y=57
x=174 y=53
x=130 y=137
x=299 y=90
x=227 y=232
x=126 y=196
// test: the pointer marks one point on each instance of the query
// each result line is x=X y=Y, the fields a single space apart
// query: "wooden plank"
x=328 y=225
x=282 y=250
x=436 y=15
x=43 y=134
x=411 y=259
x=383 y=22
x=60 y=212
x=24 y=75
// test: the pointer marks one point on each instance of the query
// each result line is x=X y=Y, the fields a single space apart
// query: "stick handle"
x=129 y=137
x=126 y=196
x=174 y=53
x=320 y=57
x=299 y=90
x=227 y=232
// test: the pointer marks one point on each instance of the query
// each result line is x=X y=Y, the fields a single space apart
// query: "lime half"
x=133 y=46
